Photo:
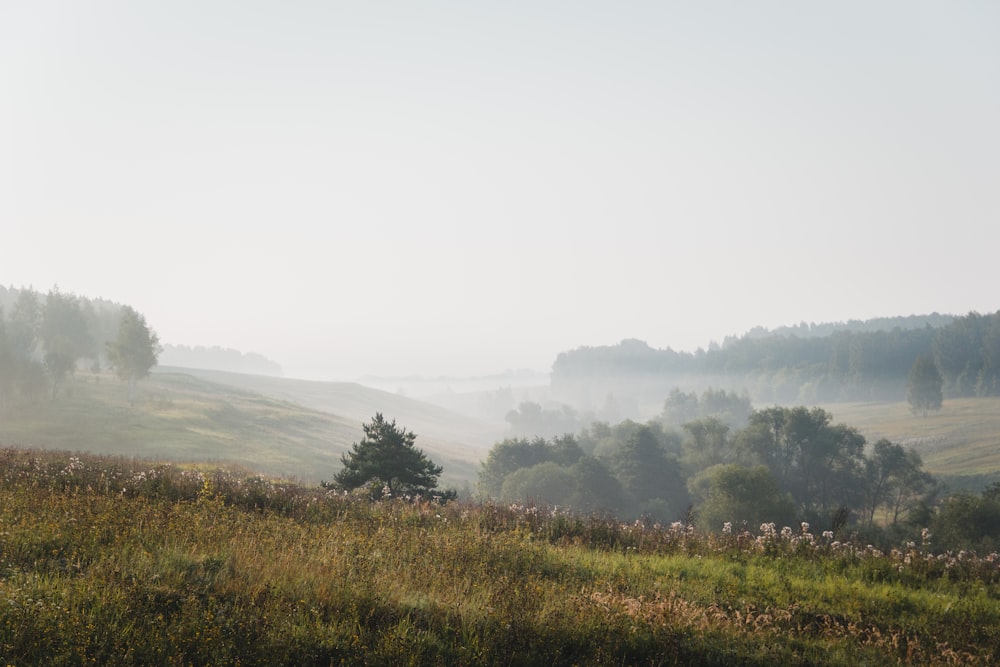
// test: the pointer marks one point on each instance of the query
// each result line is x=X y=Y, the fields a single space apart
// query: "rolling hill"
x=359 y=403
x=299 y=429
x=189 y=416
x=960 y=443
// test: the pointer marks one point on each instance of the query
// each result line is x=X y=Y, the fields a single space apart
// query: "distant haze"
x=449 y=188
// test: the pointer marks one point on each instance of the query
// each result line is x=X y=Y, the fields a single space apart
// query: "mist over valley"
x=499 y=333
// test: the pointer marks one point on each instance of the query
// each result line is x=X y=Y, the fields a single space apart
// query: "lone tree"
x=923 y=391
x=135 y=351
x=386 y=456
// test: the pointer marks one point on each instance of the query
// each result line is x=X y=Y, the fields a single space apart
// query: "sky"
x=436 y=188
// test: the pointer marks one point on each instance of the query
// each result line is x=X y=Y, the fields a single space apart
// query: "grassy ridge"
x=180 y=417
x=358 y=402
x=111 y=561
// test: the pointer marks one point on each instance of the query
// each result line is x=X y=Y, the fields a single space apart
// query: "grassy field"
x=117 y=562
x=962 y=440
x=180 y=417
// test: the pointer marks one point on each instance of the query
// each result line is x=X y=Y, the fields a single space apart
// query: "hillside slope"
x=960 y=443
x=181 y=417
x=359 y=403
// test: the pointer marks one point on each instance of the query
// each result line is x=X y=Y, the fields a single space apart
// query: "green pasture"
x=962 y=440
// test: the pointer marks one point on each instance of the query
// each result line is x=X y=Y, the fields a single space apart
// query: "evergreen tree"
x=386 y=456
x=924 y=390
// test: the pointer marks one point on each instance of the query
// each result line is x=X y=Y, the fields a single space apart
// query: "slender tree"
x=134 y=353
x=924 y=389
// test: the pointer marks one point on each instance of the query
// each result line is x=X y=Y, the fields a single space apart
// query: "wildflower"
x=805 y=526
x=827 y=534
x=727 y=528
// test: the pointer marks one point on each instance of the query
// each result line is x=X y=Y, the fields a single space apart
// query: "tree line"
x=785 y=466
x=789 y=368
x=44 y=339
x=779 y=464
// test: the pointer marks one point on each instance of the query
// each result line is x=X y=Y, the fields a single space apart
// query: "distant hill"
x=220 y=359
x=359 y=403
x=487 y=398
x=854 y=362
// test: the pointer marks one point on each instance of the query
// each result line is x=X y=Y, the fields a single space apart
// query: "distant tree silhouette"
x=924 y=390
x=135 y=351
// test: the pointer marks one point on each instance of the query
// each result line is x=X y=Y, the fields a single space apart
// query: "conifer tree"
x=386 y=457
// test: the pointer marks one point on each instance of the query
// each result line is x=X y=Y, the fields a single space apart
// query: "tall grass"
x=121 y=562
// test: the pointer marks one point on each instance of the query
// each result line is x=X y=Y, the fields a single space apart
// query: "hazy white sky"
x=465 y=187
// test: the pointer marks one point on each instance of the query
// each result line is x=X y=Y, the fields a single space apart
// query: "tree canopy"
x=135 y=351
x=64 y=334
x=47 y=338
x=387 y=456
x=786 y=464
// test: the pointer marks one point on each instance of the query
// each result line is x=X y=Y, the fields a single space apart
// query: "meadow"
x=960 y=443
x=183 y=416
x=120 y=561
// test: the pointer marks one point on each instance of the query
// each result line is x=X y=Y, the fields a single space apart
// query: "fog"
x=458 y=190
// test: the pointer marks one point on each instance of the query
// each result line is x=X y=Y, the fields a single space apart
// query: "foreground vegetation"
x=116 y=561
